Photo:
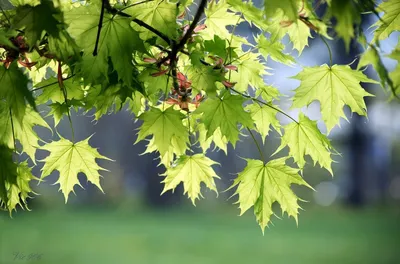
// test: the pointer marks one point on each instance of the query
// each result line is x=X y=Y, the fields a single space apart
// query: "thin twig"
x=264 y=103
x=258 y=146
x=62 y=87
x=329 y=50
x=135 y=4
x=50 y=84
x=13 y=130
x=190 y=135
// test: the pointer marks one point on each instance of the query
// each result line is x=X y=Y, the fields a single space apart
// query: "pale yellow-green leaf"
x=304 y=138
x=177 y=148
x=191 y=171
x=163 y=125
x=218 y=18
x=261 y=185
x=347 y=15
x=25 y=133
x=69 y=159
x=289 y=7
x=389 y=22
x=334 y=87
x=273 y=49
x=264 y=117
x=159 y=14
x=217 y=138
x=268 y=93
x=19 y=192
x=250 y=72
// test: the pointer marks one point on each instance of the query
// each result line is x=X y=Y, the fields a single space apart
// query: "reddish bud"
x=231 y=67
x=182 y=15
x=228 y=84
x=150 y=60
x=159 y=73
x=172 y=101
x=200 y=28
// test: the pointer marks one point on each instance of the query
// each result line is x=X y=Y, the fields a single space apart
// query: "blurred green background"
x=201 y=235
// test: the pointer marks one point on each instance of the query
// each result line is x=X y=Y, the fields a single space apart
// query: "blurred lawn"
x=323 y=236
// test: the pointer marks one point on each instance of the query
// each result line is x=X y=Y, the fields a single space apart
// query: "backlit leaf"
x=69 y=159
x=334 y=87
x=191 y=171
x=261 y=185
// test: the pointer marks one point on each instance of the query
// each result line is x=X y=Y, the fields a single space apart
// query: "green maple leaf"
x=108 y=100
x=58 y=111
x=24 y=2
x=304 y=138
x=346 y=15
x=218 y=18
x=217 y=46
x=8 y=177
x=163 y=125
x=177 y=148
x=70 y=159
x=225 y=113
x=250 y=72
x=191 y=171
x=389 y=22
x=297 y=30
x=290 y=8
x=14 y=90
x=5 y=39
x=52 y=91
x=274 y=50
x=155 y=85
x=63 y=47
x=117 y=40
x=394 y=76
x=217 y=138
x=263 y=117
x=371 y=56
x=267 y=92
x=396 y=52
x=158 y=14
x=260 y=185
x=204 y=78
x=33 y=20
x=14 y=181
x=26 y=135
x=6 y=136
x=137 y=104
x=333 y=87
x=251 y=14
x=19 y=192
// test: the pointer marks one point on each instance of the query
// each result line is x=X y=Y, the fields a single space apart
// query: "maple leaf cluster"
x=190 y=79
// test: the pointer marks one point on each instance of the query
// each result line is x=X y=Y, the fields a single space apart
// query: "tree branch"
x=155 y=31
x=196 y=20
x=103 y=6
x=178 y=47
x=264 y=103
